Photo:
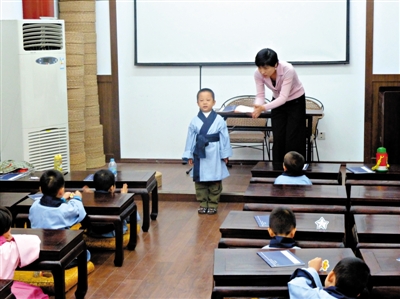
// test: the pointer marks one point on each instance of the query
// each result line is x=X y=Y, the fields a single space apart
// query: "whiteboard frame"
x=138 y=62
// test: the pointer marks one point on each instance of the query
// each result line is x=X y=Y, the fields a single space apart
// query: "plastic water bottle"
x=112 y=166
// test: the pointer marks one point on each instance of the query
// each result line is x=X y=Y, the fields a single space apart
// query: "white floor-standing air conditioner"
x=34 y=107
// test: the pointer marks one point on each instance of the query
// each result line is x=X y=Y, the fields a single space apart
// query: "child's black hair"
x=103 y=180
x=205 y=90
x=282 y=221
x=294 y=163
x=51 y=182
x=5 y=220
x=351 y=276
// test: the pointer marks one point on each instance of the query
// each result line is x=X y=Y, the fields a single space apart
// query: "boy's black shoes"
x=202 y=210
x=211 y=211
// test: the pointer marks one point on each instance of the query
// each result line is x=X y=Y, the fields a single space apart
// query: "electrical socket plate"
x=321 y=136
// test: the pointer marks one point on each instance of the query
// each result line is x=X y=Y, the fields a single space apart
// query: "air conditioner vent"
x=41 y=37
x=45 y=144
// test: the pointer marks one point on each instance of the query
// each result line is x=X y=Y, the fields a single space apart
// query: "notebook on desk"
x=280 y=258
x=11 y=176
x=360 y=169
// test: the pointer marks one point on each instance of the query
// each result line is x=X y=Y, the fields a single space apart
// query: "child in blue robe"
x=104 y=182
x=56 y=209
x=282 y=228
x=208 y=149
x=347 y=280
x=293 y=164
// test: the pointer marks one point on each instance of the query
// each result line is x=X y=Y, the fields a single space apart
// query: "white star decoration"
x=322 y=223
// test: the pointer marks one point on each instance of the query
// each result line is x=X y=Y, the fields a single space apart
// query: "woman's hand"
x=258 y=109
x=190 y=161
x=315 y=263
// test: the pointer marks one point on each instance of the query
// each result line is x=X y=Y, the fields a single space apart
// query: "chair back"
x=245 y=100
x=314 y=104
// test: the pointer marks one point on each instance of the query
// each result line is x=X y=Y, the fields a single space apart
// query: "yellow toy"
x=58 y=162
x=381 y=160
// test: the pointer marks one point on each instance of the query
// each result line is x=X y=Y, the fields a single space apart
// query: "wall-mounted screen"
x=228 y=32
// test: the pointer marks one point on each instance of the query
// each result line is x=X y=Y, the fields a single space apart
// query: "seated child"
x=293 y=164
x=104 y=182
x=282 y=227
x=17 y=251
x=348 y=279
x=56 y=209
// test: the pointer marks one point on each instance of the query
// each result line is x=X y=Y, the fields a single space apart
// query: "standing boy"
x=293 y=164
x=208 y=149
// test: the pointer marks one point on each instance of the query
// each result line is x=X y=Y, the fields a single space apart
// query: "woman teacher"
x=288 y=105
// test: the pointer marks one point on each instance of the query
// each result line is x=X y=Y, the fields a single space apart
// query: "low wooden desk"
x=105 y=207
x=310 y=113
x=375 y=196
x=139 y=182
x=296 y=194
x=10 y=199
x=377 y=230
x=384 y=266
x=57 y=249
x=243 y=267
x=393 y=174
x=325 y=171
x=5 y=289
x=241 y=224
x=265 y=180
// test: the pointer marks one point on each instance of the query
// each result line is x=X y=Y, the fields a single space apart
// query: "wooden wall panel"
x=372 y=84
x=109 y=117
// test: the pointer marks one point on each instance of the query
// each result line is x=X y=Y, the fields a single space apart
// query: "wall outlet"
x=321 y=136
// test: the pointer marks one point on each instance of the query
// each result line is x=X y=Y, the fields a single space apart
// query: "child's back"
x=56 y=209
x=293 y=164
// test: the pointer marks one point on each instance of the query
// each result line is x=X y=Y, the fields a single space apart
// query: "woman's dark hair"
x=51 y=182
x=5 y=220
x=266 y=57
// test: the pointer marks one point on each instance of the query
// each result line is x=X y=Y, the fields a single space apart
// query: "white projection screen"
x=229 y=32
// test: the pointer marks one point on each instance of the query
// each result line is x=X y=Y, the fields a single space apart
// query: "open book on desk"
x=280 y=258
x=239 y=109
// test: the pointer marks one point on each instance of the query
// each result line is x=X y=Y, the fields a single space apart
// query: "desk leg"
x=82 y=274
x=119 y=250
x=146 y=212
x=132 y=231
x=154 y=203
x=59 y=281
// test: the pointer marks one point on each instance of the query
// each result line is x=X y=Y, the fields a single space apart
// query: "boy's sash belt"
x=200 y=152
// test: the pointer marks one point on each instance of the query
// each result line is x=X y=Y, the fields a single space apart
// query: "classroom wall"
x=157 y=103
